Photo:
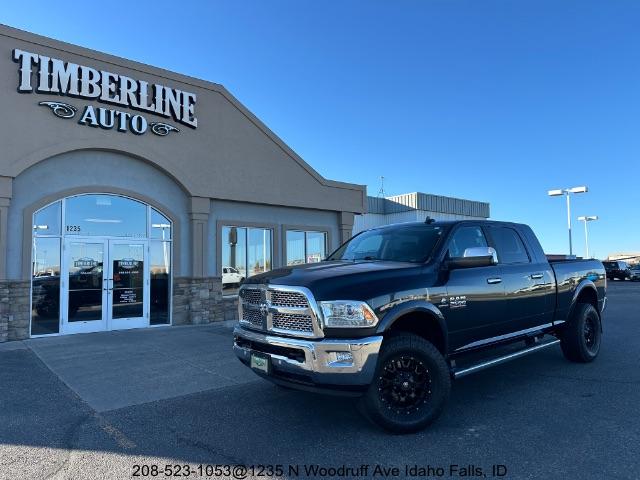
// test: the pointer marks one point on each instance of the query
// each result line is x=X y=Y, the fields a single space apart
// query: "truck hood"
x=343 y=280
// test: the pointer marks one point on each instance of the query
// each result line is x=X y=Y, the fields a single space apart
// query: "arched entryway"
x=99 y=262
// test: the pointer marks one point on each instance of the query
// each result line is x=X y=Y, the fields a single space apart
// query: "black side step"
x=458 y=373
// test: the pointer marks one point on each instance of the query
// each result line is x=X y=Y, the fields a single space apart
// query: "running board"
x=497 y=361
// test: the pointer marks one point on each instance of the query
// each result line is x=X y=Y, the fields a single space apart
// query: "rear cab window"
x=509 y=245
x=465 y=237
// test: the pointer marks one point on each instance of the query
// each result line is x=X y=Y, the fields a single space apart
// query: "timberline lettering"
x=65 y=78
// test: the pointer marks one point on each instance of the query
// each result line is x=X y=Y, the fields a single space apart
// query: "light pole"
x=586 y=232
x=566 y=192
x=165 y=253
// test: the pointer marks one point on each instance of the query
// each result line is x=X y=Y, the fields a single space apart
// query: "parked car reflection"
x=85 y=294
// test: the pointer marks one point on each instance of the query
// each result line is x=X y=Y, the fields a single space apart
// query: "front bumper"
x=311 y=363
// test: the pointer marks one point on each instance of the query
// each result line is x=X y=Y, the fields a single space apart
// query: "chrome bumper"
x=320 y=366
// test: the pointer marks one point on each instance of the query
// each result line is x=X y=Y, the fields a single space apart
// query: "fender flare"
x=582 y=286
x=413 y=306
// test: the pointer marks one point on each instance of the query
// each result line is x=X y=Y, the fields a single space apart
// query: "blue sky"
x=496 y=101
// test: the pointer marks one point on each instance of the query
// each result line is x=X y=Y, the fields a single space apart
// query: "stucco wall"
x=99 y=171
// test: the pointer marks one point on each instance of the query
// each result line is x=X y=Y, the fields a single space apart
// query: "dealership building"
x=134 y=197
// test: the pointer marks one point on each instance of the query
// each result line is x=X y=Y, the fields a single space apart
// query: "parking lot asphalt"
x=540 y=416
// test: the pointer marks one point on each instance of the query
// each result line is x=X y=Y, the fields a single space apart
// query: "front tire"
x=411 y=385
x=581 y=338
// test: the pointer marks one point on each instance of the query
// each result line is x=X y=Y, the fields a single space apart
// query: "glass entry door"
x=105 y=285
x=128 y=284
x=84 y=285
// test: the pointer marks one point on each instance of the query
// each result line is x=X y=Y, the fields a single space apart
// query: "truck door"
x=526 y=281
x=475 y=296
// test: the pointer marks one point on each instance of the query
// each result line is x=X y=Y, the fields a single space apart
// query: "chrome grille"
x=254 y=317
x=293 y=321
x=280 y=298
x=287 y=310
x=252 y=296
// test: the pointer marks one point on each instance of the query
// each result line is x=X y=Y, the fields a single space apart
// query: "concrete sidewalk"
x=111 y=370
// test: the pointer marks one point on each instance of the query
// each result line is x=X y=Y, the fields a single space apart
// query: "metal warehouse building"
x=416 y=207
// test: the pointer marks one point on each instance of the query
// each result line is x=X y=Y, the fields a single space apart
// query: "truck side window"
x=509 y=245
x=466 y=237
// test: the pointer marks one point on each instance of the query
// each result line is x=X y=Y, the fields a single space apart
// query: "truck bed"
x=569 y=275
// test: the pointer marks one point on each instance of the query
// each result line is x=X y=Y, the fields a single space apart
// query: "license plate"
x=260 y=362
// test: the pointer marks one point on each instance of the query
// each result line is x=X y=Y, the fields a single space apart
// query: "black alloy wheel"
x=581 y=337
x=404 y=384
x=589 y=332
x=410 y=387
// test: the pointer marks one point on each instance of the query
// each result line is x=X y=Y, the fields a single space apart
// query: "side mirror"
x=475 y=257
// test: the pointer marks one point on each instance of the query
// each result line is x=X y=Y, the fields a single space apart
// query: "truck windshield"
x=413 y=244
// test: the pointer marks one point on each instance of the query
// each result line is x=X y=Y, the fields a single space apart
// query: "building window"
x=160 y=280
x=45 y=281
x=305 y=246
x=160 y=268
x=105 y=215
x=246 y=251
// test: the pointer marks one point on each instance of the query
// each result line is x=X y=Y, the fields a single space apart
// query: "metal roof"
x=429 y=203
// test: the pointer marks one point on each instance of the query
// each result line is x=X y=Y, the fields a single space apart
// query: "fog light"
x=340 y=357
x=344 y=357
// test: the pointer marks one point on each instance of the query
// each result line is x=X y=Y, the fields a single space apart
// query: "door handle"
x=536 y=276
x=494 y=280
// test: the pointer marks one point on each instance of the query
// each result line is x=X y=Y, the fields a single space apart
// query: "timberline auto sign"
x=56 y=76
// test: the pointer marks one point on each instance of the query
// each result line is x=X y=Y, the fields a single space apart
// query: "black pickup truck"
x=397 y=312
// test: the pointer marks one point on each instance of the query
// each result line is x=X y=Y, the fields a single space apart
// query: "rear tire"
x=581 y=338
x=411 y=385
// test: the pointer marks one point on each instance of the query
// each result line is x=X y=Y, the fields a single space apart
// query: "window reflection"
x=316 y=246
x=128 y=280
x=246 y=252
x=160 y=258
x=258 y=250
x=295 y=248
x=105 y=215
x=47 y=220
x=305 y=247
x=85 y=281
x=234 y=246
x=160 y=226
x=45 y=291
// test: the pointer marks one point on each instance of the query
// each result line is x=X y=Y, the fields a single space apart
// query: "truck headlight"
x=347 y=314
